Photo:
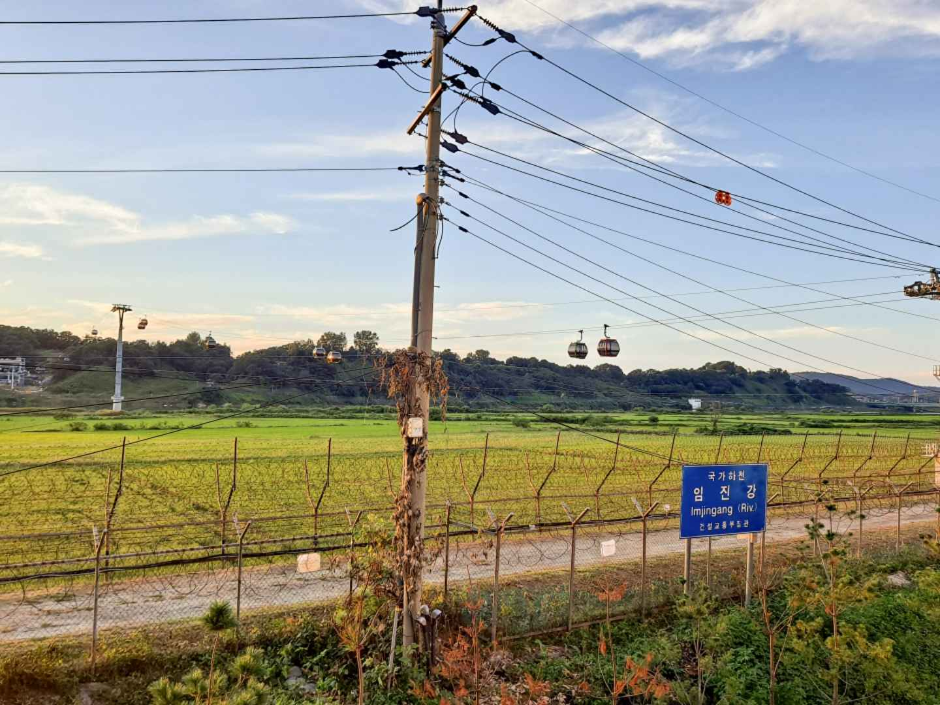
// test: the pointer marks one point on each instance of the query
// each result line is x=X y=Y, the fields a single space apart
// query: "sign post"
x=722 y=500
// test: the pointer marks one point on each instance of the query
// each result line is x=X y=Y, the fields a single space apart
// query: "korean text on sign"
x=723 y=499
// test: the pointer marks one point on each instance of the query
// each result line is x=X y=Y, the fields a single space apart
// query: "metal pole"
x=749 y=570
x=446 y=551
x=423 y=308
x=687 y=568
x=99 y=543
x=708 y=564
x=238 y=594
x=495 y=617
x=574 y=542
x=643 y=571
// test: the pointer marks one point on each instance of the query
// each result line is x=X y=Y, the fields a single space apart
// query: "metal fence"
x=535 y=533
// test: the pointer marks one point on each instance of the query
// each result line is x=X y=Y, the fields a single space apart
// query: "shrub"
x=102 y=426
x=653 y=419
x=521 y=423
x=244 y=424
x=78 y=426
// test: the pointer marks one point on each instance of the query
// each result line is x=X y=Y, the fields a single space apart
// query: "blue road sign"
x=718 y=500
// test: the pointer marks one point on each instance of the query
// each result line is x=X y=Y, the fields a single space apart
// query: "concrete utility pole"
x=422 y=316
x=117 y=399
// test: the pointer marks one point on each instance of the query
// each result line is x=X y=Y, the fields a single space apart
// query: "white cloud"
x=91 y=221
x=12 y=249
x=8 y=282
x=731 y=34
x=368 y=143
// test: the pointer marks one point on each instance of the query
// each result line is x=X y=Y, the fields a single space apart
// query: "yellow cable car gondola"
x=334 y=357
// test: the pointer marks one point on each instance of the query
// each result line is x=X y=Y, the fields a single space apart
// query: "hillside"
x=79 y=370
x=870 y=387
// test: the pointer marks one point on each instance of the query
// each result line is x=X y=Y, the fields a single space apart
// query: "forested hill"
x=73 y=365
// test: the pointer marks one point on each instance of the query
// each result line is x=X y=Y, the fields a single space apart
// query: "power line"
x=700 y=142
x=736 y=114
x=240 y=69
x=685 y=275
x=667 y=325
x=390 y=54
x=820 y=251
x=215 y=20
x=212 y=171
x=671 y=173
x=763 y=275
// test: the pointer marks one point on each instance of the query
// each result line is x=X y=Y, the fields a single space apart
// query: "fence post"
x=816 y=548
x=224 y=506
x=500 y=527
x=900 y=492
x=110 y=508
x=446 y=551
x=486 y=453
x=665 y=467
x=721 y=440
x=574 y=541
x=238 y=594
x=98 y=544
x=859 y=496
x=315 y=506
x=352 y=541
x=613 y=466
x=643 y=560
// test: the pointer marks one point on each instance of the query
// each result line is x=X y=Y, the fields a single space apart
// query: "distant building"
x=696 y=404
x=13 y=372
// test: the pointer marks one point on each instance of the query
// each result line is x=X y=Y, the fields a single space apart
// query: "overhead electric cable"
x=821 y=251
x=390 y=54
x=728 y=110
x=722 y=263
x=219 y=20
x=685 y=275
x=699 y=142
x=644 y=169
x=683 y=332
x=239 y=69
x=239 y=170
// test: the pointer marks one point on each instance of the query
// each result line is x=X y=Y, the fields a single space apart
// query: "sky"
x=261 y=259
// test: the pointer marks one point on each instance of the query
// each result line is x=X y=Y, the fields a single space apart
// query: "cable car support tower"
x=117 y=400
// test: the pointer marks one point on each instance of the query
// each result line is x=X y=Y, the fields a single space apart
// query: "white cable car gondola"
x=608 y=347
x=210 y=342
x=142 y=323
x=578 y=348
x=319 y=353
x=334 y=357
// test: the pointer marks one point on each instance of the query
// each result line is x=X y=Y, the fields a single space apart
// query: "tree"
x=366 y=342
x=332 y=341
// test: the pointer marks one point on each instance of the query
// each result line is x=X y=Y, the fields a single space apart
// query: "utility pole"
x=117 y=399
x=422 y=314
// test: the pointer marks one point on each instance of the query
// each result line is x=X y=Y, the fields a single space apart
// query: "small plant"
x=78 y=426
x=219 y=618
x=653 y=419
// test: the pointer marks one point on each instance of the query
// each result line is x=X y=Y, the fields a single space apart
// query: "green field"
x=171 y=496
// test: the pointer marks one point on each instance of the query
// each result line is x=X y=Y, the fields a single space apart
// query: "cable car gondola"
x=608 y=347
x=319 y=353
x=210 y=342
x=578 y=348
x=334 y=357
x=142 y=323
x=94 y=332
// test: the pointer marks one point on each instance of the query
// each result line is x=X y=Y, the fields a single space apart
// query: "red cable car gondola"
x=608 y=347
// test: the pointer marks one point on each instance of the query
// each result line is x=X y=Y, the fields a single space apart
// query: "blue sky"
x=264 y=258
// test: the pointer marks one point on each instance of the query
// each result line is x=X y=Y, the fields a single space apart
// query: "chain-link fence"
x=545 y=537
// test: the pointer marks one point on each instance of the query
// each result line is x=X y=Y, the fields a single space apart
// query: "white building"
x=13 y=372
